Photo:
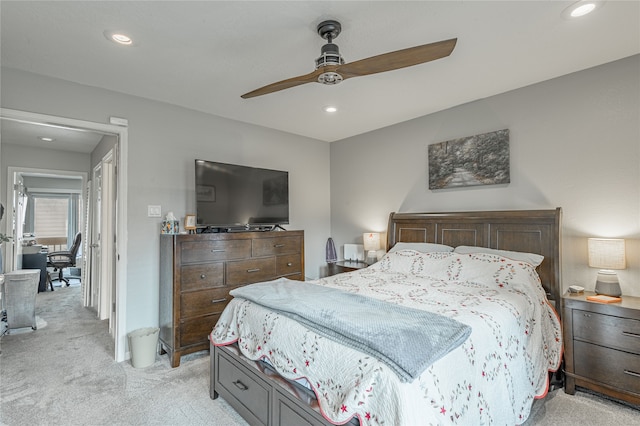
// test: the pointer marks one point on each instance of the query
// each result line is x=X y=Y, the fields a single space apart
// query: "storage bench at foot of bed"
x=259 y=394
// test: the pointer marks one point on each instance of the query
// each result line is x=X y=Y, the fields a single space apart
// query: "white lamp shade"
x=371 y=241
x=606 y=253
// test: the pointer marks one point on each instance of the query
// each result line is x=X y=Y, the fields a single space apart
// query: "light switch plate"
x=154 y=211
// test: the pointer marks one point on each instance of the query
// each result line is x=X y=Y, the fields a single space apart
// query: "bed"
x=495 y=274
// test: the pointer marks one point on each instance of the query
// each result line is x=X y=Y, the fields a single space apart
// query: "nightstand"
x=602 y=346
x=345 y=266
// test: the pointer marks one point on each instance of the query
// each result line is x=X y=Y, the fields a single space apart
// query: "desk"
x=37 y=261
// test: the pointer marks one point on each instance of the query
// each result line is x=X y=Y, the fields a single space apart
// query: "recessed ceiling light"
x=330 y=109
x=581 y=8
x=118 y=37
x=46 y=139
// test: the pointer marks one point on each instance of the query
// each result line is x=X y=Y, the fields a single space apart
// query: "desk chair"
x=64 y=259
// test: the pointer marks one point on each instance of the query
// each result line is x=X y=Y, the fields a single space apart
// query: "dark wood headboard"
x=531 y=231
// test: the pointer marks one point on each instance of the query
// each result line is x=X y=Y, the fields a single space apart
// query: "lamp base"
x=372 y=257
x=607 y=283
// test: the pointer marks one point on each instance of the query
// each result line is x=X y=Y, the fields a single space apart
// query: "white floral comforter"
x=492 y=378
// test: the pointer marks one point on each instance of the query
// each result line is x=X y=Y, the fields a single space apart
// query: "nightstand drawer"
x=607 y=330
x=615 y=368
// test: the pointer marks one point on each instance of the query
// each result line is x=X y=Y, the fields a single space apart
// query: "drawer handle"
x=241 y=385
x=253 y=270
x=278 y=245
x=203 y=276
x=632 y=373
x=289 y=264
x=587 y=315
x=626 y=333
x=224 y=299
x=217 y=250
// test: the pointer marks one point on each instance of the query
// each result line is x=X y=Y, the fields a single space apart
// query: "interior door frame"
x=121 y=132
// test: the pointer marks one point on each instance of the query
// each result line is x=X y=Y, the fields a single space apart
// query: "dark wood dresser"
x=602 y=346
x=197 y=271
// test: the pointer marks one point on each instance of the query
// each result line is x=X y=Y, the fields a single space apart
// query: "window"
x=51 y=217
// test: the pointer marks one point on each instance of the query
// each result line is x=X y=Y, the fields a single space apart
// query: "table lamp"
x=371 y=246
x=607 y=254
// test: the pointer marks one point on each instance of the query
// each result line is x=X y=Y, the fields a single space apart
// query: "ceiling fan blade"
x=398 y=59
x=284 y=84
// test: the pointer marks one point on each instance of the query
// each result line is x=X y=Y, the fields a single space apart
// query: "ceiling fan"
x=331 y=69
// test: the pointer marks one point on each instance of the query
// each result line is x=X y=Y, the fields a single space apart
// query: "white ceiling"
x=64 y=138
x=204 y=54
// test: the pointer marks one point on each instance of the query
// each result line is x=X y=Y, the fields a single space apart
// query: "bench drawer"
x=253 y=395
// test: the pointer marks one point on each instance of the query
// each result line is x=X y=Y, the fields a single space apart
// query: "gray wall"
x=574 y=143
x=106 y=144
x=38 y=158
x=164 y=140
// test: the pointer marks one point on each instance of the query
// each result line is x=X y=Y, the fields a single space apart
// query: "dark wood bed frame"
x=262 y=397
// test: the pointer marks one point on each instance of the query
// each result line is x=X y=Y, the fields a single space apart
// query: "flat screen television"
x=231 y=196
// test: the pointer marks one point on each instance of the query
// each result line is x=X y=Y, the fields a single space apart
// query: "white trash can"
x=143 y=344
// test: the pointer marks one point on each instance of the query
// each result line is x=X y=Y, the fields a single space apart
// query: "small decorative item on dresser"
x=170 y=224
x=190 y=223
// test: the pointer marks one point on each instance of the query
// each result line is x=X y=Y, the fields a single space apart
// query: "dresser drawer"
x=607 y=330
x=197 y=330
x=615 y=368
x=252 y=394
x=210 y=250
x=251 y=271
x=203 y=302
x=288 y=264
x=276 y=245
x=202 y=276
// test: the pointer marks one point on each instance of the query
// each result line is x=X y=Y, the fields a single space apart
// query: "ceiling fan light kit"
x=331 y=68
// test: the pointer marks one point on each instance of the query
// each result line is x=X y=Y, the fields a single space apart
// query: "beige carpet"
x=64 y=374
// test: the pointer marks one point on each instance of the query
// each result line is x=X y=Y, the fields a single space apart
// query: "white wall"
x=163 y=141
x=574 y=143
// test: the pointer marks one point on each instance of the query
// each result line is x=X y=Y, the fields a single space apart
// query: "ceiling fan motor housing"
x=330 y=55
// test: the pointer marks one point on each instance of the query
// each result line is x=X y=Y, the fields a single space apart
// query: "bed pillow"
x=422 y=247
x=532 y=258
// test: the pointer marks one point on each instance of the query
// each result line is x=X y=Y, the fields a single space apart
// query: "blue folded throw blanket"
x=407 y=340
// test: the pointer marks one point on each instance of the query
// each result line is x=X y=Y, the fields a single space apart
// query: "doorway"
x=116 y=281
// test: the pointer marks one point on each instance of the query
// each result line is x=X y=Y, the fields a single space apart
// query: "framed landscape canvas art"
x=470 y=161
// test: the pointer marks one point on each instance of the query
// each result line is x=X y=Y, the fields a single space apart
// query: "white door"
x=107 y=242
x=94 y=245
x=103 y=240
x=86 y=252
